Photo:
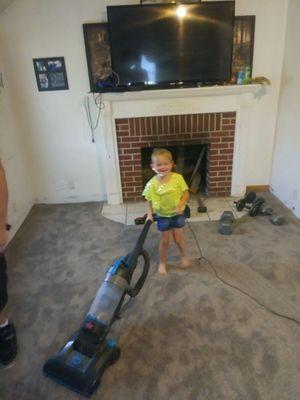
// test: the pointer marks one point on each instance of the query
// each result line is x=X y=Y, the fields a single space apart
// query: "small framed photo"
x=243 y=43
x=50 y=73
x=97 y=50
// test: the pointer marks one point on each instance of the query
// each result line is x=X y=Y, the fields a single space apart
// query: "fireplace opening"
x=190 y=161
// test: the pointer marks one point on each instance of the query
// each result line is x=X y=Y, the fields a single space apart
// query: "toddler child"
x=167 y=194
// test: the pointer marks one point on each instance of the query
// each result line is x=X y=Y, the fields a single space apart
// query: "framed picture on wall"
x=50 y=73
x=97 y=52
x=243 y=43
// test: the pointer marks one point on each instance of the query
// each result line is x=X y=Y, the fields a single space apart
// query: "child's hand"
x=149 y=217
x=179 y=209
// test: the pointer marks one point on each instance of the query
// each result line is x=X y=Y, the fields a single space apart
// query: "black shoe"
x=8 y=345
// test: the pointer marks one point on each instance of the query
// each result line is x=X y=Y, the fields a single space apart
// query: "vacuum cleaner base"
x=79 y=372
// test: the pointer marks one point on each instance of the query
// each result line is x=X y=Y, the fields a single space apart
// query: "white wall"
x=13 y=158
x=65 y=164
x=268 y=52
x=285 y=181
x=59 y=144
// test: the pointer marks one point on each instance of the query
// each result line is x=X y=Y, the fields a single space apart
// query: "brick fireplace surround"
x=215 y=129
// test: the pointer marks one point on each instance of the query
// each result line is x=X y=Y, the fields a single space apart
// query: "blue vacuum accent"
x=111 y=343
x=76 y=360
x=116 y=265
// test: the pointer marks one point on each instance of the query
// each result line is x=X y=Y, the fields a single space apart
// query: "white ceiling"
x=4 y=4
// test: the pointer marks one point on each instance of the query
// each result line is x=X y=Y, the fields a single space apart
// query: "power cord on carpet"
x=236 y=287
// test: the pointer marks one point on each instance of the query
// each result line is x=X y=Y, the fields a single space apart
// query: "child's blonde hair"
x=162 y=152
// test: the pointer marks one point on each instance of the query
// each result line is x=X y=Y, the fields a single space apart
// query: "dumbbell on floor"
x=277 y=219
x=265 y=209
x=250 y=198
x=274 y=218
x=247 y=199
x=226 y=221
x=256 y=206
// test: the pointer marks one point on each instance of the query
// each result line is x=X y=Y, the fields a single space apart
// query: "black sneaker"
x=8 y=345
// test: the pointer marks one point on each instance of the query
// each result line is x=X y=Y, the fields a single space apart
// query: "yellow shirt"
x=165 y=197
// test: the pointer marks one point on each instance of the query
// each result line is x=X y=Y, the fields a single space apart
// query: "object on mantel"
x=261 y=80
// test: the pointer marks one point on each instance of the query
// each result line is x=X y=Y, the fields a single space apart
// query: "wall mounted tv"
x=171 y=44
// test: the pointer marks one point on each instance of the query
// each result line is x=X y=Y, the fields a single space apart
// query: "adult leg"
x=8 y=340
x=3 y=288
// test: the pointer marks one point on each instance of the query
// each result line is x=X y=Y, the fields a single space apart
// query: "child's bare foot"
x=185 y=263
x=162 y=269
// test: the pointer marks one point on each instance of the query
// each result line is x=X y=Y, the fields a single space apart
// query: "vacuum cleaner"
x=81 y=363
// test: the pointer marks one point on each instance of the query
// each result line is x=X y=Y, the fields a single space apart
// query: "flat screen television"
x=170 y=44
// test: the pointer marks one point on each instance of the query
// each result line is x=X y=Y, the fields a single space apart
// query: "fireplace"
x=216 y=130
x=219 y=116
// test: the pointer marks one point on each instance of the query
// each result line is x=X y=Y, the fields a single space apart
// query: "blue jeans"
x=168 y=223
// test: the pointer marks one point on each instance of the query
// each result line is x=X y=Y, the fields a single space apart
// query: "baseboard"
x=70 y=199
x=257 y=188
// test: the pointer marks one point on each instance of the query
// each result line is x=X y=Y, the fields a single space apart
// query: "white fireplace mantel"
x=237 y=98
x=184 y=92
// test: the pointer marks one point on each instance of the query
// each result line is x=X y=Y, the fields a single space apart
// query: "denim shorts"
x=167 y=223
x=3 y=282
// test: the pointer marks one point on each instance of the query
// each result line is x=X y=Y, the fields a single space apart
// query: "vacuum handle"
x=132 y=292
x=133 y=256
